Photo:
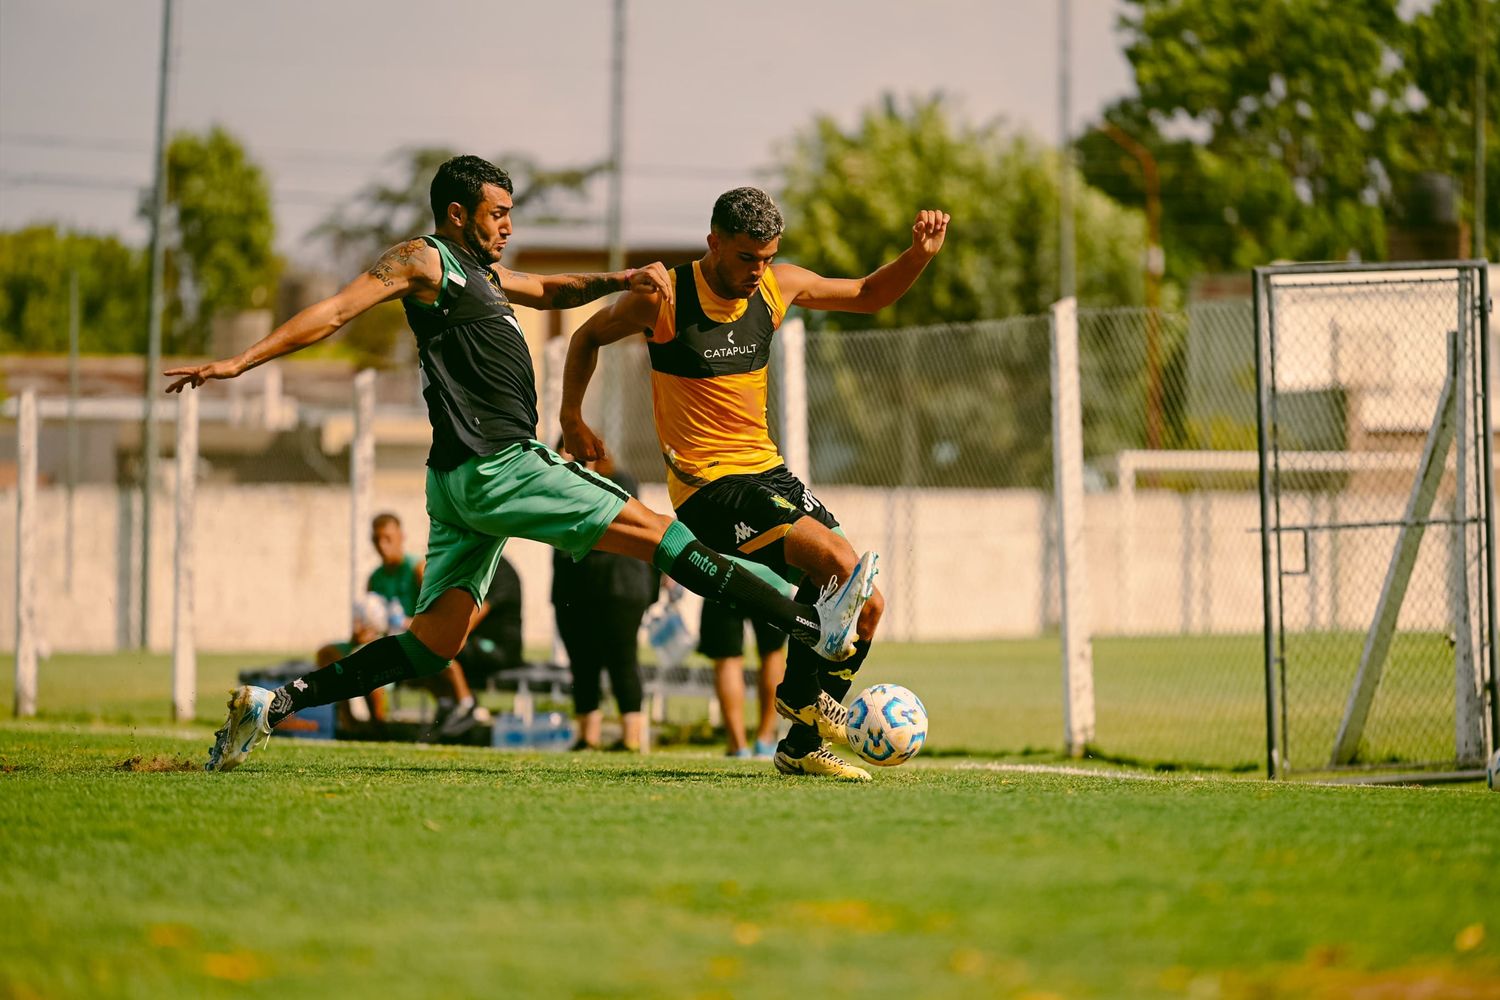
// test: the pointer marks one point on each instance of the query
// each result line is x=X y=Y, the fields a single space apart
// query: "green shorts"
x=525 y=491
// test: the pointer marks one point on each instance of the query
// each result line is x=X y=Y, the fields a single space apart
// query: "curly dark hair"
x=462 y=179
x=750 y=211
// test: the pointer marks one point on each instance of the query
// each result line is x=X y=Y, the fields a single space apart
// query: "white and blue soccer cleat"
x=246 y=729
x=839 y=607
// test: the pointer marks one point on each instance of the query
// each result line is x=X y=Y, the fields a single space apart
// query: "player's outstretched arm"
x=409 y=267
x=564 y=291
x=875 y=291
x=627 y=315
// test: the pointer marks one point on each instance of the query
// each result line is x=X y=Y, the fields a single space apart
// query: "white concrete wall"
x=956 y=564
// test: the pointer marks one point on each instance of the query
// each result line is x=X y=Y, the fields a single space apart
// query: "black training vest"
x=476 y=369
x=702 y=347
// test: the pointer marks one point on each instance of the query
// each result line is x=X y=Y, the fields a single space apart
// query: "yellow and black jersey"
x=709 y=360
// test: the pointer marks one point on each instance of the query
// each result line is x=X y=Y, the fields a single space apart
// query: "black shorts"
x=750 y=515
x=721 y=633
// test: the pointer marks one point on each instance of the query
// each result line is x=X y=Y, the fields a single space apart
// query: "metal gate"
x=1376 y=516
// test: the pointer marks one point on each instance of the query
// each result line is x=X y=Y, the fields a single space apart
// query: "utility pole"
x=72 y=466
x=1155 y=267
x=614 y=234
x=1481 y=109
x=1065 y=253
x=614 y=401
x=149 y=445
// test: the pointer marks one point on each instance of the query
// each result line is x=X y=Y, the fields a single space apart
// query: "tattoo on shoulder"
x=583 y=288
x=396 y=259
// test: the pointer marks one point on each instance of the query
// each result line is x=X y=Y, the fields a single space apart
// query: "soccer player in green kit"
x=488 y=478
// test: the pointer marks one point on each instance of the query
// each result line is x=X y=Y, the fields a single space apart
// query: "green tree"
x=1270 y=123
x=968 y=403
x=1440 y=54
x=382 y=214
x=1294 y=128
x=220 y=255
x=850 y=197
x=35 y=264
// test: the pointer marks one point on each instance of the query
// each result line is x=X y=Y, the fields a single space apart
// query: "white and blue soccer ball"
x=1492 y=770
x=887 y=725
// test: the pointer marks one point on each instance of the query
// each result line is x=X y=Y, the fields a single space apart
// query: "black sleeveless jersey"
x=476 y=369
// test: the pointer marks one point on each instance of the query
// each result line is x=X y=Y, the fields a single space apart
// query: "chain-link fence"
x=934 y=446
x=1379 y=560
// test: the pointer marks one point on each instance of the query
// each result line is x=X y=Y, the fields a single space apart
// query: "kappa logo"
x=300 y=684
x=742 y=531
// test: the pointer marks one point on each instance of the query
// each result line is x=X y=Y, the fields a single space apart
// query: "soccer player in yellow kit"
x=728 y=483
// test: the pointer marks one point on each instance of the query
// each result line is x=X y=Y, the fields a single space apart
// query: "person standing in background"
x=599 y=602
x=721 y=638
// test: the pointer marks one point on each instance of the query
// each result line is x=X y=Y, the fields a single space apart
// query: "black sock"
x=384 y=661
x=703 y=571
x=807 y=673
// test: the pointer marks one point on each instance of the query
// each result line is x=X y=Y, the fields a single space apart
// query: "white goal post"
x=1072 y=561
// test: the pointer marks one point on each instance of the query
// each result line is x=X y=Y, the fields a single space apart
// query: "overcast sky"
x=322 y=91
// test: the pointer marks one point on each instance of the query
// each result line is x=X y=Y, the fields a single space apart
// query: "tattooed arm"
x=564 y=291
x=410 y=268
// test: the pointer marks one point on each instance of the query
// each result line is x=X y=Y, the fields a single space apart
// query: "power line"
x=89 y=182
x=45 y=140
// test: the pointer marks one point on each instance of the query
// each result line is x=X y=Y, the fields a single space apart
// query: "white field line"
x=1081 y=772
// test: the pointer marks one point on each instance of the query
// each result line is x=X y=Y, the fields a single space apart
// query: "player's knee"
x=441 y=637
x=817 y=549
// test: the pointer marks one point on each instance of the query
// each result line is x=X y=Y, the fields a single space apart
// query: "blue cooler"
x=545 y=731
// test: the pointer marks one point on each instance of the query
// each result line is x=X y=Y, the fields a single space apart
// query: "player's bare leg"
x=825 y=555
x=827 y=625
x=772 y=670
x=458 y=711
x=729 y=686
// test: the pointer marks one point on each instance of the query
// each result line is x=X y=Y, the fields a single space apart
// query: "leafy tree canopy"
x=1291 y=128
x=850 y=197
x=220 y=255
x=35 y=268
x=382 y=213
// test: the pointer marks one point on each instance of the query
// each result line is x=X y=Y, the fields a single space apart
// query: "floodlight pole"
x=149 y=445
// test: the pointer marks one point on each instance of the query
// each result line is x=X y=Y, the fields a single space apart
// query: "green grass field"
x=1185 y=701
x=377 y=870
x=393 y=870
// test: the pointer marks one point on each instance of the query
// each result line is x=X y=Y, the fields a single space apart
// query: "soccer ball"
x=887 y=725
x=1492 y=771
